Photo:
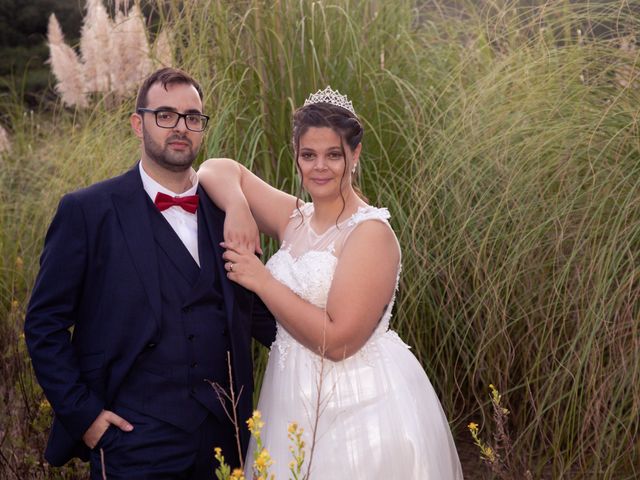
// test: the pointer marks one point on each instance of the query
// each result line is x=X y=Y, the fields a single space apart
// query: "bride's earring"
x=353 y=170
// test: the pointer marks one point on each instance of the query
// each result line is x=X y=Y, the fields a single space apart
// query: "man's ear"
x=136 y=124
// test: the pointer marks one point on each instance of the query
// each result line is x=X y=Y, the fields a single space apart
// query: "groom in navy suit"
x=133 y=267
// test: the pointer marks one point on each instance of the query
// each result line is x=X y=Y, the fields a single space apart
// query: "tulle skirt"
x=375 y=414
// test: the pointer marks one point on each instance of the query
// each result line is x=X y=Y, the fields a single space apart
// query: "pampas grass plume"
x=140 y=44
x=5 y=144
x=124 y=4
x=130 y=54
x=162 y=51
x=115 y=56
x=95 y=46
x=66 y=67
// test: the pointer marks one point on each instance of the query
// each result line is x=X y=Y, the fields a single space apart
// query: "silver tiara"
x=330 y=96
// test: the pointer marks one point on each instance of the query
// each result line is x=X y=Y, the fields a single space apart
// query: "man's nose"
x=181 y=126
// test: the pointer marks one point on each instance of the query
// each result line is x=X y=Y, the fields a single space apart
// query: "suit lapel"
x=208 y=271
x=214 y=223
x=130 y=204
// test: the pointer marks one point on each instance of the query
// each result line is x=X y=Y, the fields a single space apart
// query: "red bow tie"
x=188 y=202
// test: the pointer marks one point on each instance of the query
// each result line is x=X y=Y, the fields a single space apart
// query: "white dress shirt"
x=185 y=224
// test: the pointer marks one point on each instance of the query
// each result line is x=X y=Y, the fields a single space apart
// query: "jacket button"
x=194 y=364
x=151 y=345
x=191 y=337
x=186 y=309
x=225 y=332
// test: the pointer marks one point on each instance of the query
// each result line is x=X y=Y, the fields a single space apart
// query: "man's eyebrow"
x=173 y=109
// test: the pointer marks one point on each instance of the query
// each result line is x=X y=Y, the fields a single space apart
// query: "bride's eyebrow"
x=333 y=148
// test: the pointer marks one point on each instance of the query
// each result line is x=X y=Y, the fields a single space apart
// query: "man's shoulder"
x=212 y=209
x=105 y=188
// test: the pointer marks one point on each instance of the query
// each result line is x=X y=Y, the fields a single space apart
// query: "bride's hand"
x=240 y=229
x=244 y=268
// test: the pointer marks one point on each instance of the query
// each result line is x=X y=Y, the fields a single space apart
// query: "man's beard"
x=164 y=157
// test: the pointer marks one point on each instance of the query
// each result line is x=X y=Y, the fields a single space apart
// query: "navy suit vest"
x=170 y=379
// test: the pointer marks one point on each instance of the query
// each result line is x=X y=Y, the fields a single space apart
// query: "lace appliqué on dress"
x=368 y=213
x=283 y=343
x=309 y=276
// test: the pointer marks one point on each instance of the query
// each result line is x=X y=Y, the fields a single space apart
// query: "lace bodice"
x=307 y=261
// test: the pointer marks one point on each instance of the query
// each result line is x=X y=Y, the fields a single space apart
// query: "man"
x=153 y=314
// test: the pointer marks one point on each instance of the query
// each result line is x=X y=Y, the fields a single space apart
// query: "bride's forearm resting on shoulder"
x=362 y=287
x=237 y=190
x=222 y=179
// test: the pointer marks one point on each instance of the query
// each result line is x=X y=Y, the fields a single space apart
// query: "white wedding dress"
x=379 y=417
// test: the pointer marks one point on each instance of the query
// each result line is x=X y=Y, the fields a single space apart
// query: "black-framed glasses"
x=195 y=122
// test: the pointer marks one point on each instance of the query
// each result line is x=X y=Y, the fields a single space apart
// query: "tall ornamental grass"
x=504 y=139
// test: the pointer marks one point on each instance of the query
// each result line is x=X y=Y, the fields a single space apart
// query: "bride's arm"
x=361 y=289
x=236 y=190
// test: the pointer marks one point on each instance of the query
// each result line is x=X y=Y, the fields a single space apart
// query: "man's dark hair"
x=164 y=76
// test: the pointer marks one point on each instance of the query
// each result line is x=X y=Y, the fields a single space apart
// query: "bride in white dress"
x=366 y=405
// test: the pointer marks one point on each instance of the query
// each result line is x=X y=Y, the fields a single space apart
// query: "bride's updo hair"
x=338 y=119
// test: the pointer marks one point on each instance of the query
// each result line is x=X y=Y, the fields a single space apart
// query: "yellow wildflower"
x=263 y=460
x=495 y=394
x=255 y=423
x=488 y=451
x=473 y=426
x=293 y=426
x=237 y=474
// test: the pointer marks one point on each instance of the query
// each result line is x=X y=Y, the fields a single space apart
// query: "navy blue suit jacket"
x=99 y=278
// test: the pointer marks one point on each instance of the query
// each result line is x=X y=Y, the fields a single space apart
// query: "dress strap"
x=369 y=213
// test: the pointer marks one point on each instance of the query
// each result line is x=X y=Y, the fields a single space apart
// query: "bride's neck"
x=326 y=211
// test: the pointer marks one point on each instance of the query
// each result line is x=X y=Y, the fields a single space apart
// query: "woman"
x=366 y=406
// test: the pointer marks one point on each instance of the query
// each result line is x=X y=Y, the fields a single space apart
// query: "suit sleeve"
x=53 y=311
x=263 y=325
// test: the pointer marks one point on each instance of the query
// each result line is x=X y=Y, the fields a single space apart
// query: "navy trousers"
x=155 y=450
